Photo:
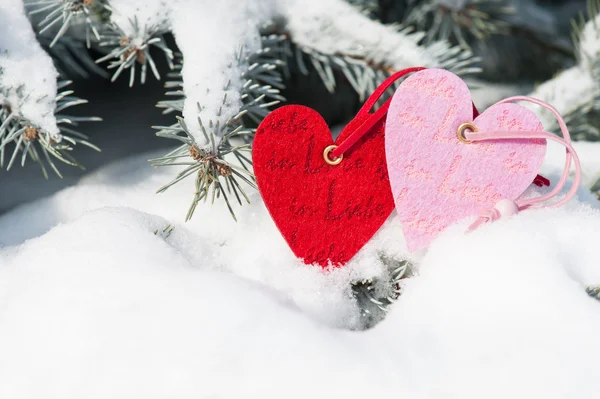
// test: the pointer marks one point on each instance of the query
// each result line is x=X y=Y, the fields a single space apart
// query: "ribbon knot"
x=490 y=215
x=504 y=208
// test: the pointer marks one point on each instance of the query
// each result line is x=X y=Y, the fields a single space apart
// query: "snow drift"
x=95 y=304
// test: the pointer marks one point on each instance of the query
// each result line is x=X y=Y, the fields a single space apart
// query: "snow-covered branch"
x=27 y=74
x=31 y=98
x=330 y=31
x=233 y=52
x=136 y=26
x=575 y=92
x=459 y=19
x=335 y=27
x=213 y=68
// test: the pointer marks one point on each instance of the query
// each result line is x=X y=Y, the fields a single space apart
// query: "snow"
x=571 y=88
x=153 y=14
x=211 y=69
x=589 y=47
x=27 y=74
x=335 y=27
x=93 y=304
x=236 y=243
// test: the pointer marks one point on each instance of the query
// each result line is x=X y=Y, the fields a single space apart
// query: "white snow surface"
x=27 y=74
x=210 y=43
x=93 y=304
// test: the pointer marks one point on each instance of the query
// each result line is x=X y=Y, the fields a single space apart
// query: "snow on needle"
x=374 y=296
x=33 y=142
x=215 y=176
x=260 y=91
x=129 y=50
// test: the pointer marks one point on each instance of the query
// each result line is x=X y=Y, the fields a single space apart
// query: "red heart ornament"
x=326 y=213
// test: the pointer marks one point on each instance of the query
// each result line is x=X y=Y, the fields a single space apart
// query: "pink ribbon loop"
x=503 y=208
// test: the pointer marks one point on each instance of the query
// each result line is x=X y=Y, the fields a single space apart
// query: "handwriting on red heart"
x=438 y=180
x=326 y=213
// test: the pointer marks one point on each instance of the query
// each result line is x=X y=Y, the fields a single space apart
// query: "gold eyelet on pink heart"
x=330 y=161
x=460 y=133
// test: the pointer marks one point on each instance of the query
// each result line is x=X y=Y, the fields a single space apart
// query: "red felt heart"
x=325 y=213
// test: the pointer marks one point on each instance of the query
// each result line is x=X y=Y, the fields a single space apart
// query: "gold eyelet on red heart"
x=460 y=133
x=330 y=161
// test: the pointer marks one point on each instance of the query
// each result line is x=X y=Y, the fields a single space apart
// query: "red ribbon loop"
x=372 y=118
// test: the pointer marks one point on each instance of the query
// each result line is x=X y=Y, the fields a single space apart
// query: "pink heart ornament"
x=438 y=180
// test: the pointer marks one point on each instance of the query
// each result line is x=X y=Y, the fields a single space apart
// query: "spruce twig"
x=593 y=291
x=71 y=57
x=364 y=75
x=28 y=140
x=127 y=51
x=207 y=162
x=216 y=177
x=460 y=19
x=583 y=118
x=374 y=296
x=63 y=13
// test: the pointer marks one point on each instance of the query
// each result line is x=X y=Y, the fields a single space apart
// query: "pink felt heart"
x=438 y=180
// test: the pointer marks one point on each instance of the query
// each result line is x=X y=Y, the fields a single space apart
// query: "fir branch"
x=583 y=120
x=365 y=76
x=129 y=50
x=27 y=73
x=459 y=20
x=366 y=59
x=369 y=8
x=593 y=291
x=64 y=13
x=576 y=91
x=215 y=175
x=71 y=57
x=586 y=37
x=362 y=76
x=262 y=80
x=28 y=140
x=174 y=84
x=375 y=296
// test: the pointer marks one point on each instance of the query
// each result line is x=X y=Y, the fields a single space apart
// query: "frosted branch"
x=27 y=74
x=212 y=70
x=576 y=91
x=136 y=27
x=335 y=27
